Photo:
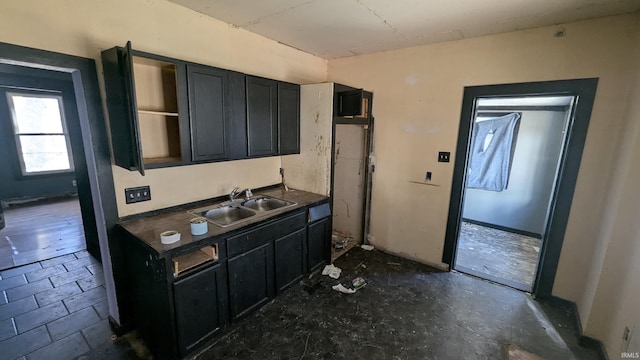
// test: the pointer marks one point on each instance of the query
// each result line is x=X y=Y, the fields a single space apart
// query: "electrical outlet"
x=443 y=156
x=427 y=176
x=137 y=194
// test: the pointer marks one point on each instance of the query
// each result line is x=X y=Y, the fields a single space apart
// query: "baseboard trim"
x=583 y=340
x=120 y=329
x=504 y=228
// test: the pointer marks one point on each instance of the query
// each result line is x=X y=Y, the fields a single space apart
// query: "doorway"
x=42 y=217
x=514 y=156
x=581 y=93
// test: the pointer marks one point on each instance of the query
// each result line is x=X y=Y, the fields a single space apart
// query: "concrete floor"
x=406 y=311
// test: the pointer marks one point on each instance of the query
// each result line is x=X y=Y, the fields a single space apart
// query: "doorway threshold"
x=494 y=279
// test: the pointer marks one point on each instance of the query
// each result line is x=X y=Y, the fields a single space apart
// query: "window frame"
x=16 y=135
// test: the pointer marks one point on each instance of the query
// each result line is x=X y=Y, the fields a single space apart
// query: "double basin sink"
x=232 y=212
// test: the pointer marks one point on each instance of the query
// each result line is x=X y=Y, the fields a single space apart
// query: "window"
x=40 y=132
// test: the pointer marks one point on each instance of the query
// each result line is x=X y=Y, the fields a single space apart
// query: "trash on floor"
x=358 y=283
x=333 y=271
x=340 y=240
x=366 y=247
x=393 y=263
x=343 y=289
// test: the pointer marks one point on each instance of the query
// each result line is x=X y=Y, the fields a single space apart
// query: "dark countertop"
x=148 y=229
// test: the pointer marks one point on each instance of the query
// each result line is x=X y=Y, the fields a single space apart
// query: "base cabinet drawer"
x=250 y=280
x=201 y=306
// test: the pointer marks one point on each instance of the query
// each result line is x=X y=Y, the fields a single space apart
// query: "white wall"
x=524 y=204
x=85 y=27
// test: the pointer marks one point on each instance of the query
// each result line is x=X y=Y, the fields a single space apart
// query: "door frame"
x=98 y=182
x=562 y=196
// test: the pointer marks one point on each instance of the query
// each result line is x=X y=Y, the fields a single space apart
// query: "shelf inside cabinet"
x=159 y=136
x=153 y=112
x=190 y=260
x=156 y=85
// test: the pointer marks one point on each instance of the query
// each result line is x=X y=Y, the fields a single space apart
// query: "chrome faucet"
x=236 y=192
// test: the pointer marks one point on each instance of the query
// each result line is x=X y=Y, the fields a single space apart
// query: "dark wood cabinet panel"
x=123 y=118
x=210 y=124
x=262 y=113
x=290 y=262
x=200 y=303
x=250 y=280
x=217 y=114
x=288 y=118
x=318 y=244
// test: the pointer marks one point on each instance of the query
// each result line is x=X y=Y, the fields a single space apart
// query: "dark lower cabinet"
x=200 y=305
x=318 y=243
x=290 y=259
x=262 y=116
x=250 y=280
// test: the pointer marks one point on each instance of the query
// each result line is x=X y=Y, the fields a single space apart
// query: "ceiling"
x=339 y=28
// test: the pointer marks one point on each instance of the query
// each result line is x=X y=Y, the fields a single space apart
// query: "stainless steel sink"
x=225 y=215
x=264 y=203
x=235 y=211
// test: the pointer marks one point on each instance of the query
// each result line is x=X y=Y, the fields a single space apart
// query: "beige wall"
x=613 y=293
x=85 y=27
x=311 y=169
x=418 y=94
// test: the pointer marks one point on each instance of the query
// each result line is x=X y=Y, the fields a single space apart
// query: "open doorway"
x=42 y=218
x=514 y=157
x=582 y=92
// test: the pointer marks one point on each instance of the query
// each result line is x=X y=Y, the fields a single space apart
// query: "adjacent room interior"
x=515 y=152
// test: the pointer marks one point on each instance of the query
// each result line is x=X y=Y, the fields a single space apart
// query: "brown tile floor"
x=496 y=255
x=53 y=309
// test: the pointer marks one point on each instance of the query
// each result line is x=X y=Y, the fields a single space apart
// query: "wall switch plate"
x=137 y=194
x=427 y=176
x=443 y=156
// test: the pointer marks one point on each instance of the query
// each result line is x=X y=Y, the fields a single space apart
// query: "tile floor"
x=53 y=309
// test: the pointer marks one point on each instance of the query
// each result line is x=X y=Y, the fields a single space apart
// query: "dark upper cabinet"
x=290 y=261
x=147 y=102
x=262 y=116
x=288 y=118
x=200 y=306
x=250 y=280
x=217 y=113
x=318 y=244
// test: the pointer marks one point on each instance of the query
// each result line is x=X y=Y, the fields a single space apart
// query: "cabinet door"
x=121 y=101
x=250 y=280
x=201 y=306
x=262 y=122
x=208 y=112
x=288 y=118
x=290 y=259
x=318 y=244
